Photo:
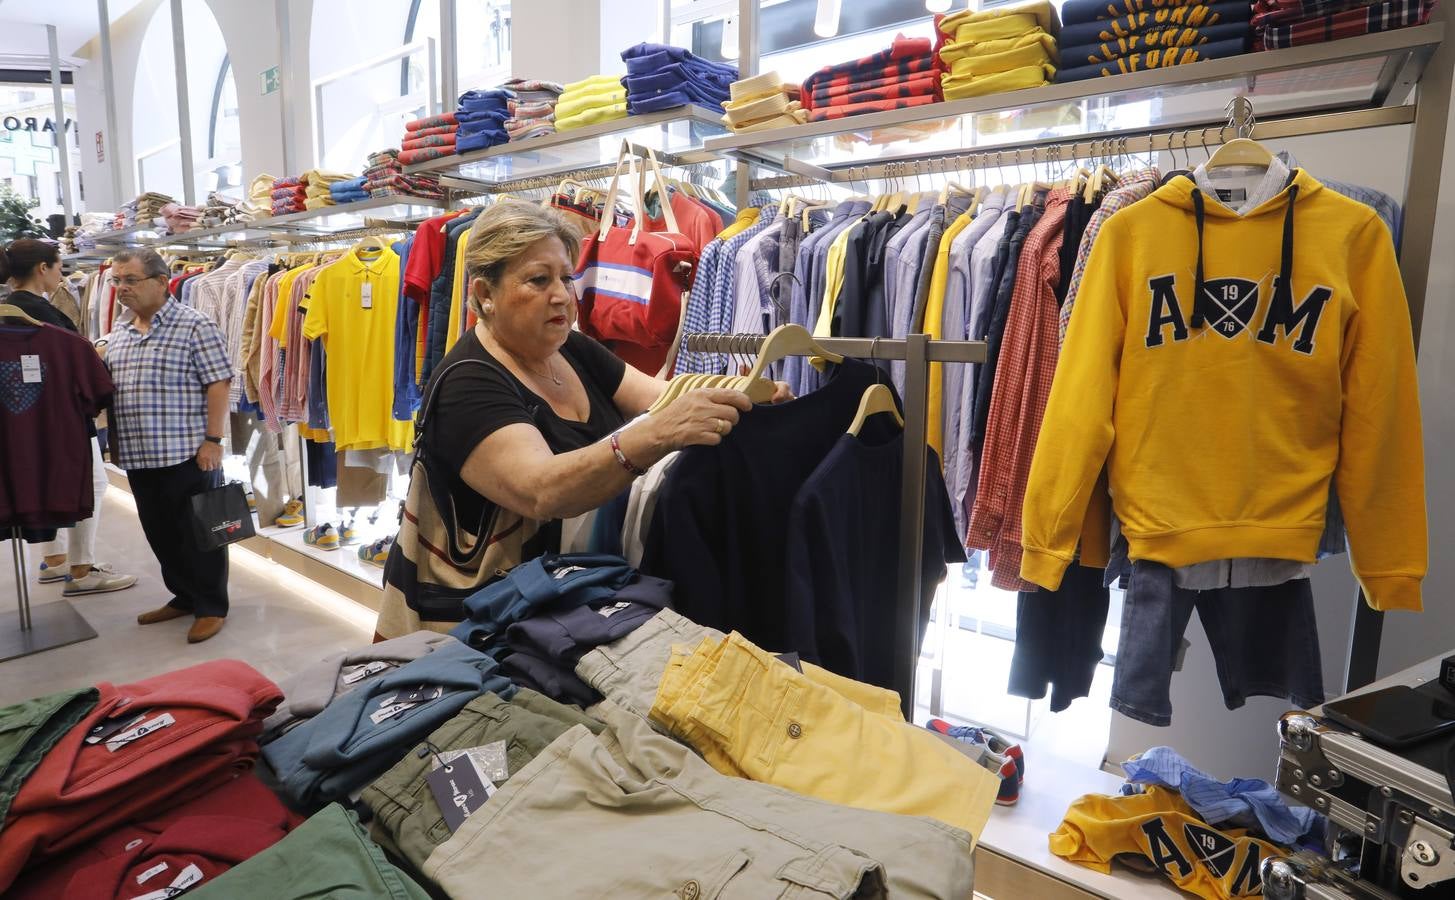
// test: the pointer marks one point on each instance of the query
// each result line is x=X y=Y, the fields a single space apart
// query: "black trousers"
x=196 y=578
x=1058 y=638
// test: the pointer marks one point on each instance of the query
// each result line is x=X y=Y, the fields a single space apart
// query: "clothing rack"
x=34 y=630
x=917 y=351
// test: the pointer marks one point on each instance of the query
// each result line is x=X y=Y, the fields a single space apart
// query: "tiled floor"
x=279 y=622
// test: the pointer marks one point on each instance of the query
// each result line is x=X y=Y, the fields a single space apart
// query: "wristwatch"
x=212 y=439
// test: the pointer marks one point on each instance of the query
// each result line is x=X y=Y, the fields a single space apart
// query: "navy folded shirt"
x=1140 y=23
x=1162 y=39
x=1074 y=12
x=1154 y=59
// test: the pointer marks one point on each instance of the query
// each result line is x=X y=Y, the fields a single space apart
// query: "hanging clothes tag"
x=359 y=673
x=489 y=760
x=459 y=790
x=422 y=694
x=106 y=729
x=366 y=295
x=29 y=368
x=154 y=871
x=607 y=612
x=388 y=712
x=140 y=731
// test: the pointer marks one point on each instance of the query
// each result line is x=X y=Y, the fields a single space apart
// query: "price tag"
x=115 y=743
x=366 y=295
x=362 y=672
x=459 y=790
x=154 y=871
x=30 y=368
x=490 y=760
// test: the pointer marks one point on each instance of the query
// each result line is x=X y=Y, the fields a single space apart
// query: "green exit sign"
x=271 y=82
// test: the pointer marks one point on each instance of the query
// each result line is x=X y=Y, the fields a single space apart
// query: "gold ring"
x=721 y=426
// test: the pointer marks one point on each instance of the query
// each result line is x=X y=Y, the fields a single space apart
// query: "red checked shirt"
x=868 y=106
x=1022 y=387
x=906 y=56
x=1350 y=23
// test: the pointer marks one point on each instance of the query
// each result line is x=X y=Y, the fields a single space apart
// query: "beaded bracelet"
x=621 y=457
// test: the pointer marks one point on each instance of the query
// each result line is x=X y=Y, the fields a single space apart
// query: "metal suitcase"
x=1391 y=816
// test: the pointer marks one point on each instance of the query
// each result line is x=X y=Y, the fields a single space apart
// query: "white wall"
x=556 y=40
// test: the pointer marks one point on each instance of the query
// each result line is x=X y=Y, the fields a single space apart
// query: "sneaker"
x=101 y=580
x=377 y=553
x=52 y=574
x=292 y=514
x=1001 y=757
x=324 y=537
x=347 y=536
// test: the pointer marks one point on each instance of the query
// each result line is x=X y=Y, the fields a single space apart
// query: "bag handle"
x=668 y=216
x=608 y=212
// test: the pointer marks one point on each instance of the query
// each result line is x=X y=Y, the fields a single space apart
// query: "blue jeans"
x=1264 y=640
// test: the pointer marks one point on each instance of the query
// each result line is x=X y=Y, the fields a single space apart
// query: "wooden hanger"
x=1240 y=152
x=789 y=340
x=372 y=242
x=11 y=311
x=877 y=399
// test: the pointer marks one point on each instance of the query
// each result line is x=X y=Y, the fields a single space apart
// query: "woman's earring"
x=489 y=309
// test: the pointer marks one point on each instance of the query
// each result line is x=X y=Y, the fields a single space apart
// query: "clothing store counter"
x=1014 y=859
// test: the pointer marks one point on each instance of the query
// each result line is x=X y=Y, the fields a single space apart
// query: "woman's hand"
x=702 y=416
x=782 y=393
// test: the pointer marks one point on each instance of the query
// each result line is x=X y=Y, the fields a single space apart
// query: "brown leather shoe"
x=164 y=614
x=204 y=628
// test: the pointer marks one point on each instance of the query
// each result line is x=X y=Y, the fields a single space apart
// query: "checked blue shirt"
x=160 y=407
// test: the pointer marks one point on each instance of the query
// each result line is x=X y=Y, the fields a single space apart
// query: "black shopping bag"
x=221 y=517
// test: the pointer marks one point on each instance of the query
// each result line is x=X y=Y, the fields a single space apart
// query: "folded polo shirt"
x=212 y=833
x=479 y=140
x=574 y=103
x=161 y=742
x=758 y=85
x=825 y=95
x=1154 y=59
x=957 y=87
x=797 y=117
x=1032 y=54
x=311 y=691
x=595 y=82
x=330 y=855
x=362 y=733
x=843 y=77
x=868 y=106
x=1078 y=11
x=1041 y=11
x=554 y=580
x=924 y=84
x=775 y=104
x=1194 y=16
x=28 y=731
x=951 y=54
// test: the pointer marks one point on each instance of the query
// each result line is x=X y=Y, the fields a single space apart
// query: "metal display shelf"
x=678 y=136
x=134 y=236
x=347 y=216
x=1370 y=71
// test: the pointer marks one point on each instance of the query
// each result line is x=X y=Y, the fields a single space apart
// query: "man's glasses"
x=133 y=280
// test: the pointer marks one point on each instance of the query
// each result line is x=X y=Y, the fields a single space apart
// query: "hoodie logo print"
x=1234 y=301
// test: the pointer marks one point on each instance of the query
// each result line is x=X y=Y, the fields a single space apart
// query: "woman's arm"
x=515 y=468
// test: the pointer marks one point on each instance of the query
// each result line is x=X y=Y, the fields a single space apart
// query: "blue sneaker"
x=1001 y=756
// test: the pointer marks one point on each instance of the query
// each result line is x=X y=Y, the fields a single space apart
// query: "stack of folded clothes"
x=482 y=116
x=289 y=195
x=600 y=98
x=762 y=102
x=901 y=76
x=350 y=190
x=992 y=51
x=219 y=210
x=1293 y=23
x=180 y=218
x=259 y=203
x=533 y=111
x=92 y=225
x=429 y=138
x=318 y=186
x=1110 y=37
x=385 y=178
x=145 y=210
x=660 y=77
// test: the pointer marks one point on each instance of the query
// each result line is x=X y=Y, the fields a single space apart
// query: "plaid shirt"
x=1129 y=191
x=160 y=409
x=1350 y=23
x=1267 y=12
x=906 y=56
x=1022 y=387
x=869 y=106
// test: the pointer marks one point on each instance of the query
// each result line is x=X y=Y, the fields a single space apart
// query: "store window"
x=377 y=63
x=216 y=131
x=29 y=161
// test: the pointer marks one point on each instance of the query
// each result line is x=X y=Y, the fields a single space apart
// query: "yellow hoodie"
x=1222 y=422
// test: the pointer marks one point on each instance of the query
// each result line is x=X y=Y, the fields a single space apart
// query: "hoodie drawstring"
x=1283 y=291
x=1198 y=302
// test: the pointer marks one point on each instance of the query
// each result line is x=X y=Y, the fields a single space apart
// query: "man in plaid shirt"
x=172 y=374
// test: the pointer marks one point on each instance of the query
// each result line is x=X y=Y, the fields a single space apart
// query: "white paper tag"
x=607 y=612
x=366 y=295
x=388 y=712
x=362 y=672
x=154 y=871
x=30 y=368
x=126 y=737
x=185 y=879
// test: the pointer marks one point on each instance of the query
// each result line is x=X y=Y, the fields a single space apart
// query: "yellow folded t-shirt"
x=952 y=53
x=981 y=64
x=958 y=88
x=1041 y=10
x=580 y=102
x=595 y=82
x=592 y=116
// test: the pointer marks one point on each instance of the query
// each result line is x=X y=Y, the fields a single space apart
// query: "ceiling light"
x=730 y=38
x=826 y=20
x=938 y=6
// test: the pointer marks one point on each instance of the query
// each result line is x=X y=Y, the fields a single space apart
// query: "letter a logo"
x=1165 y=311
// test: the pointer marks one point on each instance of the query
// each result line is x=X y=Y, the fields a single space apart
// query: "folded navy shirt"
x=1075 y=12
x=1143 y=22
x=1171 y=38
x=645 y=58
x=1154 y=59
x=479 y=140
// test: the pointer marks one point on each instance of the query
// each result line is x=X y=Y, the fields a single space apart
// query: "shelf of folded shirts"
x=348 y=216
x=1374 y=71
x=219 y=237
x=678 y=137
x=85 y=256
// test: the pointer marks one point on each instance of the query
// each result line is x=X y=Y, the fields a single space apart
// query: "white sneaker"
x=52 y=574
x=101 y=581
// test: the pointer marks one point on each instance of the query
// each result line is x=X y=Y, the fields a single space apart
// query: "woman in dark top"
x=544 y=427
x=32 y=270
